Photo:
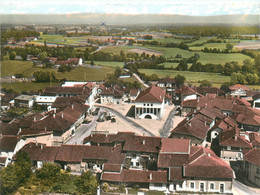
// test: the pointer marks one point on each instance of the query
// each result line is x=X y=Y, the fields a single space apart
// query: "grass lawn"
x=191 y=77
x=20 y=87
x=220 y=46
x=168 y=40
x=117 y=49
x=109 y=63
x=12 y=67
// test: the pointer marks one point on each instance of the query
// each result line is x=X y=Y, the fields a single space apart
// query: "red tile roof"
x=8 y=142
x=253 y=156
x=61 y=102
x=108 y=167
x=41 y=152
x=238 y=86
x=173 y=146
x=152 y=94
x=210 y=90
x=9 y=129
x=255 y=139
x=186 y=90
x=175 y=173
x=231 y=138
x=133 y=92
x=197 y=103
x=166 y=80
x=64 y=90
x=172 y=160
x=208 y=165
x=142 y=144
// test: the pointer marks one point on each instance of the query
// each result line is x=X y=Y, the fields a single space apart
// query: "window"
x=228 y=147
x=192 y=185
x=134 y=155
x=212 y=186
x=151 y=104
x=137 y=164
x=147 y=104
x=221 y=188
x=202 y=187
x=157 y=185
x=144 y=104
x=131 y=163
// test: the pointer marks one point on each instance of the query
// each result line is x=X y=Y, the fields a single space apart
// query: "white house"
x=150 y=103
x=24 y=101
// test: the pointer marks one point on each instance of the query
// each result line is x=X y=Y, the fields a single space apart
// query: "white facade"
x=158 y=186
x=149 y=110
x=72 y=83
x=239 y=92
x=45 y=100
x=190 y=97
x=256 y=104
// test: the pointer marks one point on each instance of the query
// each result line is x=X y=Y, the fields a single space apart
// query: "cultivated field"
x=191 y=77
x=147 y=51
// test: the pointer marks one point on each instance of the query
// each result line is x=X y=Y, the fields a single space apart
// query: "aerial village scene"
x=130 y=97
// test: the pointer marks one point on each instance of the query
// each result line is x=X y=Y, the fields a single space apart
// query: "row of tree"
x=18 y=35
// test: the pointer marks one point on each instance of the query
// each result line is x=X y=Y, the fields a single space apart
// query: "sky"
x=181 y=7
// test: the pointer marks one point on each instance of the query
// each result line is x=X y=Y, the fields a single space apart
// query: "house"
x=62 y=102
x=133 y=94
x=63 y=123
x=24 y=101
x=112 y=96
x=165 y=164
x=254 y=139
x=231 y=144
x=251 y=165
x=209 y=91
x=150 y=103
x=256 y=101
x=193 y=105
x=169 y=84
x=197 y=125
x=186 y=93
x=238 y=90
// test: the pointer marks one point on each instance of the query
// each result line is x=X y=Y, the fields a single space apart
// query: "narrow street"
x=239 y=189
x=168 y=123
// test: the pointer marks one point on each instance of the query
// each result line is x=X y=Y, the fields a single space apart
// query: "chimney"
x=235 y=137
x=54 y=115
x=206 y=105
x=72 y=106
x=209 y=154
x=34 y=119
x=45 y=129
x=151 y=176
x=189 y=124
x=54 y=110
x=106 y=134
x=41 y=146
x=20 y=129
x=62 y=115
x=205 y=123
x=143 y=142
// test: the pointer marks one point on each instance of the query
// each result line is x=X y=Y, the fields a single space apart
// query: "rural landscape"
x=122 y=98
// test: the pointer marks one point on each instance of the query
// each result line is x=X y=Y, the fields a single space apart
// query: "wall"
x=157 y=187
x=45 y=139
x=190 y=97
x=149 y=105
x=231 y=154
x=227 y=186
x=253 y=174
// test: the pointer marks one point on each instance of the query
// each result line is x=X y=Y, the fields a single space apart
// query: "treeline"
x=18 y=35
x=181 y=45
x=62 y=53
x=19 y=177
x=218 y=31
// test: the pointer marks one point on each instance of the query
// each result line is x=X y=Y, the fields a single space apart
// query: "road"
x=83 y=131
x=168 y=123
x=118 y=114
x=241 y=189
x=140 y=80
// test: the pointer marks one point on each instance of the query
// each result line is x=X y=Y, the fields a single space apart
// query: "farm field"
x=191 y=77
x=20 y=87
x=168 y=40
x=27 y=69
x=220 y=46
x=112 y=64
x=117 y=49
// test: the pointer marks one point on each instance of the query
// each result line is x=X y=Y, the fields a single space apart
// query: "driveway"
x=168 y=123
x=239 y=188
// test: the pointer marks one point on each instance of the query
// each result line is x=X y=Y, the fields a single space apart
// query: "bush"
x=122 y=188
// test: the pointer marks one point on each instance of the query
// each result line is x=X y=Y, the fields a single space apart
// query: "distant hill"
x=123 y=19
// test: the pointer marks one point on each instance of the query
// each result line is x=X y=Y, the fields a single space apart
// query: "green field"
x=20 y=87
x=191 y=77
x=200 y=41
x=109 y=64
x=9 y=68
x=117 y=49
x=168 y=40
x=220 y=46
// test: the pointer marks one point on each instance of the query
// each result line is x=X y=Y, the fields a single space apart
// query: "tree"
x=12 y=55
x=205 y=83
x=252 y=79
x=179 y=79
x=44 y=76
x=182 y=65
x=92 y=63
x=42 y=55
x=87 y=183
x=229 y=46
x=238 y=78
x=48 y=174
x=9 y=180
x=118 y=72
x=225 y=86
